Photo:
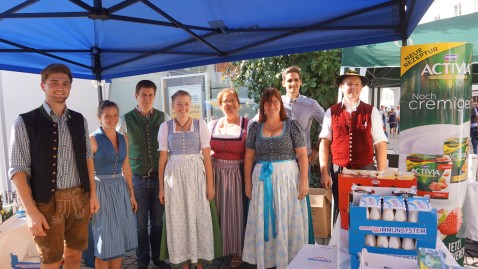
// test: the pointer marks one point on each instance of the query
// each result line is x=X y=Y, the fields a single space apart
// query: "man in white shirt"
x=357 y=131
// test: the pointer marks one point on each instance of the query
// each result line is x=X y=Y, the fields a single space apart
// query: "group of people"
x=232 y=186
x=391 y=117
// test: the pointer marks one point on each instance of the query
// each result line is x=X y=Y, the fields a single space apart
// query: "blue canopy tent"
x=105 y=39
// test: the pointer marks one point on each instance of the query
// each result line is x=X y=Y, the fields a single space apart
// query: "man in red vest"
x=351 y=131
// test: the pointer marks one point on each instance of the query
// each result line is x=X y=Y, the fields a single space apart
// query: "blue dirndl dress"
x=114 y=226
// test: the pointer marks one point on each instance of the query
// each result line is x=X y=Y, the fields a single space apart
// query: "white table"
x=15 y=238
x=340 y=240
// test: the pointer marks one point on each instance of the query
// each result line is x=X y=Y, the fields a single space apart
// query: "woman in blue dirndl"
x=114 y=226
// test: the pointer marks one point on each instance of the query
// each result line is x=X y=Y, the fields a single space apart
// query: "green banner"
x=435 y=106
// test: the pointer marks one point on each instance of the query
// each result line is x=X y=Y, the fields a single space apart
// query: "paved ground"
x=471 y=254
x=471 y=258
x=220 y=263
x=392 y=146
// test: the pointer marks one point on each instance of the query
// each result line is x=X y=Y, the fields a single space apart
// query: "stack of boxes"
x=382 y=215
x=409 y=235
x=368 y=181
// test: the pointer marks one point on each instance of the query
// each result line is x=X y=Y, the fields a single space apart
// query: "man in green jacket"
x=141 y=125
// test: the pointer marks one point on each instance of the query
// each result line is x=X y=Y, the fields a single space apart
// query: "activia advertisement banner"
x=435 y=106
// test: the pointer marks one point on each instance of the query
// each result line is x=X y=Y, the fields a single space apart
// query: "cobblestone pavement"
x=471 y=258
x=393 y=143
x=130 y=263
x=220 y=263
x=471 y=254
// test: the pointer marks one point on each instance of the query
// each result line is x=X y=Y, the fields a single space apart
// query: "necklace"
x=274 y=127
x=182 y=126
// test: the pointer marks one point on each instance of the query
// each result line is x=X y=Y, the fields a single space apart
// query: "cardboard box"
x=320 y=204
x=423 y=232
x=345 y=188
x=380 y=261
x=315 y=257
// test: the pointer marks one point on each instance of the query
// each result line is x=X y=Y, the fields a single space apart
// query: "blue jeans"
x=474 y=141
x=146 y=191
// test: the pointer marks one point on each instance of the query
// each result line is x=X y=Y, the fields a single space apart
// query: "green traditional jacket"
x=143 y=140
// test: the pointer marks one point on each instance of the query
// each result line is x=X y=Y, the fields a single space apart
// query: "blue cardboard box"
x=424 y=232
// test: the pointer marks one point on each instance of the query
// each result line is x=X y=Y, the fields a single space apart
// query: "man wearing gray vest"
x=141 y=125
x=51 y=164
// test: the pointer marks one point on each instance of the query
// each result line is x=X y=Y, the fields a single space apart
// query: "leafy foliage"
x=318 y=70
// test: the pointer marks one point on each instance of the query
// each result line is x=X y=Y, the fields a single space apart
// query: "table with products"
x=340 y=240
x=15 y=239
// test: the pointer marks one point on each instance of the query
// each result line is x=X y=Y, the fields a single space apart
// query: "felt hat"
x=350 y=72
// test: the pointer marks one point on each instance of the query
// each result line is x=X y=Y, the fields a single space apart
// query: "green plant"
x=318 y=70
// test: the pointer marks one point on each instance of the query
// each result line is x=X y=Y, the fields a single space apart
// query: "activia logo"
x=450 y=57
x=425 y=171
x=319 y=259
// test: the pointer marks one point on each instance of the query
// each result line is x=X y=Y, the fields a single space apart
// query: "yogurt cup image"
x=408 y=244
x=382 y=241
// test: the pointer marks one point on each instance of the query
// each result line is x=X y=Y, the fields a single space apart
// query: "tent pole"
x=5 y=184
x=97 y=70
x=403 y=21
x=372 y=97
x=100 y=91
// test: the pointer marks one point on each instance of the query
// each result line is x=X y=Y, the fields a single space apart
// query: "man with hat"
x=356 y=131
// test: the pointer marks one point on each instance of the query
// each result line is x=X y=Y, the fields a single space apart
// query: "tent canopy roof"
x=104 y=39
x=383 y=60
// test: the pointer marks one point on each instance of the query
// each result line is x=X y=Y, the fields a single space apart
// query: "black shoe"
x=141 y=266
x=161 y=265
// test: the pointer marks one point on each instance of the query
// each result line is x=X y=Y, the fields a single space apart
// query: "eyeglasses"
x=229 y=101
x=273 y=102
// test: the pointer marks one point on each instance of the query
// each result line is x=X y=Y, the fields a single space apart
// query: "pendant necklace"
x=182 y=126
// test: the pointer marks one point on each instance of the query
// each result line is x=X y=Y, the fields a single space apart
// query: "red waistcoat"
x=352 y=144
